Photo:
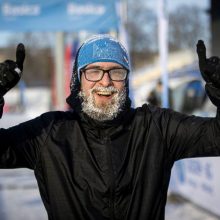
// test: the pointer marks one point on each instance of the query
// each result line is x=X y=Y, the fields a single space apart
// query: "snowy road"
x=20 y=199
x=19 y=196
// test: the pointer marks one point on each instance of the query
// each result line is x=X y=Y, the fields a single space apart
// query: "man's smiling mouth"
x=104 y=93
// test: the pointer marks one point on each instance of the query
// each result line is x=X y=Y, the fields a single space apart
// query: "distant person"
x=155 y=95
x=103 y=159
x=194 y=97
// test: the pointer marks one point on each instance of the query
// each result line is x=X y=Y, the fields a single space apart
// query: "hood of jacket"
x=75 y=102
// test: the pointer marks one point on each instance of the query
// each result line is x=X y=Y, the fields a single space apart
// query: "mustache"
x=104 y=89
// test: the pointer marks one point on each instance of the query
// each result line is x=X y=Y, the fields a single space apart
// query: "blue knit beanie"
x=102 y=48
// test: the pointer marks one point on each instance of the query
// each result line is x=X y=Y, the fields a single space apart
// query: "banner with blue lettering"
x=59 y=15
x=197 y=180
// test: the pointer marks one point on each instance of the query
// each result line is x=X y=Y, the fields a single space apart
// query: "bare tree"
x=186 y=26
x=141 y=27
x=38 y=63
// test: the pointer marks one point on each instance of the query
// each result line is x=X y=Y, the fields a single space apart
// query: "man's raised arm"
x=210 y=70
x=10 y=73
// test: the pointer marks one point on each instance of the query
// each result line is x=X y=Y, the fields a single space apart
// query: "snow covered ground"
x=180 y=209
x=19 y=196
x=20 y=199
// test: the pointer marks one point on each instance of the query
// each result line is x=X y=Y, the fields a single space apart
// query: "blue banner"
x=58 y=15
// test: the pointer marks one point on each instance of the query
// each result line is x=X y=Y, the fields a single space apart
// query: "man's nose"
x=106 y=80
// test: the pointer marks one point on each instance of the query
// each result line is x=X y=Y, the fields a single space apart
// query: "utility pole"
x=59 y=71
x=163 y=48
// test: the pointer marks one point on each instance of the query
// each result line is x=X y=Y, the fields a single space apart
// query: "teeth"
x=104 y=93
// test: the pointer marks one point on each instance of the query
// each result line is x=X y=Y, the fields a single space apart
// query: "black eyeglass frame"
x=103 y=72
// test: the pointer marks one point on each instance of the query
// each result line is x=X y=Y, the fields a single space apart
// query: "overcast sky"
x=172 y=4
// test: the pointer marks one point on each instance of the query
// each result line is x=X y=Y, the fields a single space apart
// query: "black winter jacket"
x=98 y=171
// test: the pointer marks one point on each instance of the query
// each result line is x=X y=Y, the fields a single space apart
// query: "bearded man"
x=103 y=159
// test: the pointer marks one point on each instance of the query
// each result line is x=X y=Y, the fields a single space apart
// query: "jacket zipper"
x=111 y=180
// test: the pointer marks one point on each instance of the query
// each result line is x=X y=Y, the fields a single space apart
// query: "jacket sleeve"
x=189 y=136
x=2 y=102
x=20 y=145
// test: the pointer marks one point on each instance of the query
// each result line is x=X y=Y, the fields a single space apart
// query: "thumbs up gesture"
x=209 y=68
x=10 y=71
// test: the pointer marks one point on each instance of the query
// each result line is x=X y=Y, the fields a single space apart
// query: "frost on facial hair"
x=106 y=112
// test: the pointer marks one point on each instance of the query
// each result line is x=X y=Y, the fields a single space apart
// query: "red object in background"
x=67 y=76
x=67 y=71
x=53 y=88
x=6 y=108
x=69 y=57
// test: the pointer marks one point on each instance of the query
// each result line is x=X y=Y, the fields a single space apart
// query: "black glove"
x=209 y=68
x=10 y=71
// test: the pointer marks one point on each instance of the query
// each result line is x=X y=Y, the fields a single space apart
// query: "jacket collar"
x=110 y=127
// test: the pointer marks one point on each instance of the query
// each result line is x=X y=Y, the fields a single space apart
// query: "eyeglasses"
x=116 y=74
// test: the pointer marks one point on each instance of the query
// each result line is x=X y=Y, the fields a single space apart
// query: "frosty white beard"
x=107 y=111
